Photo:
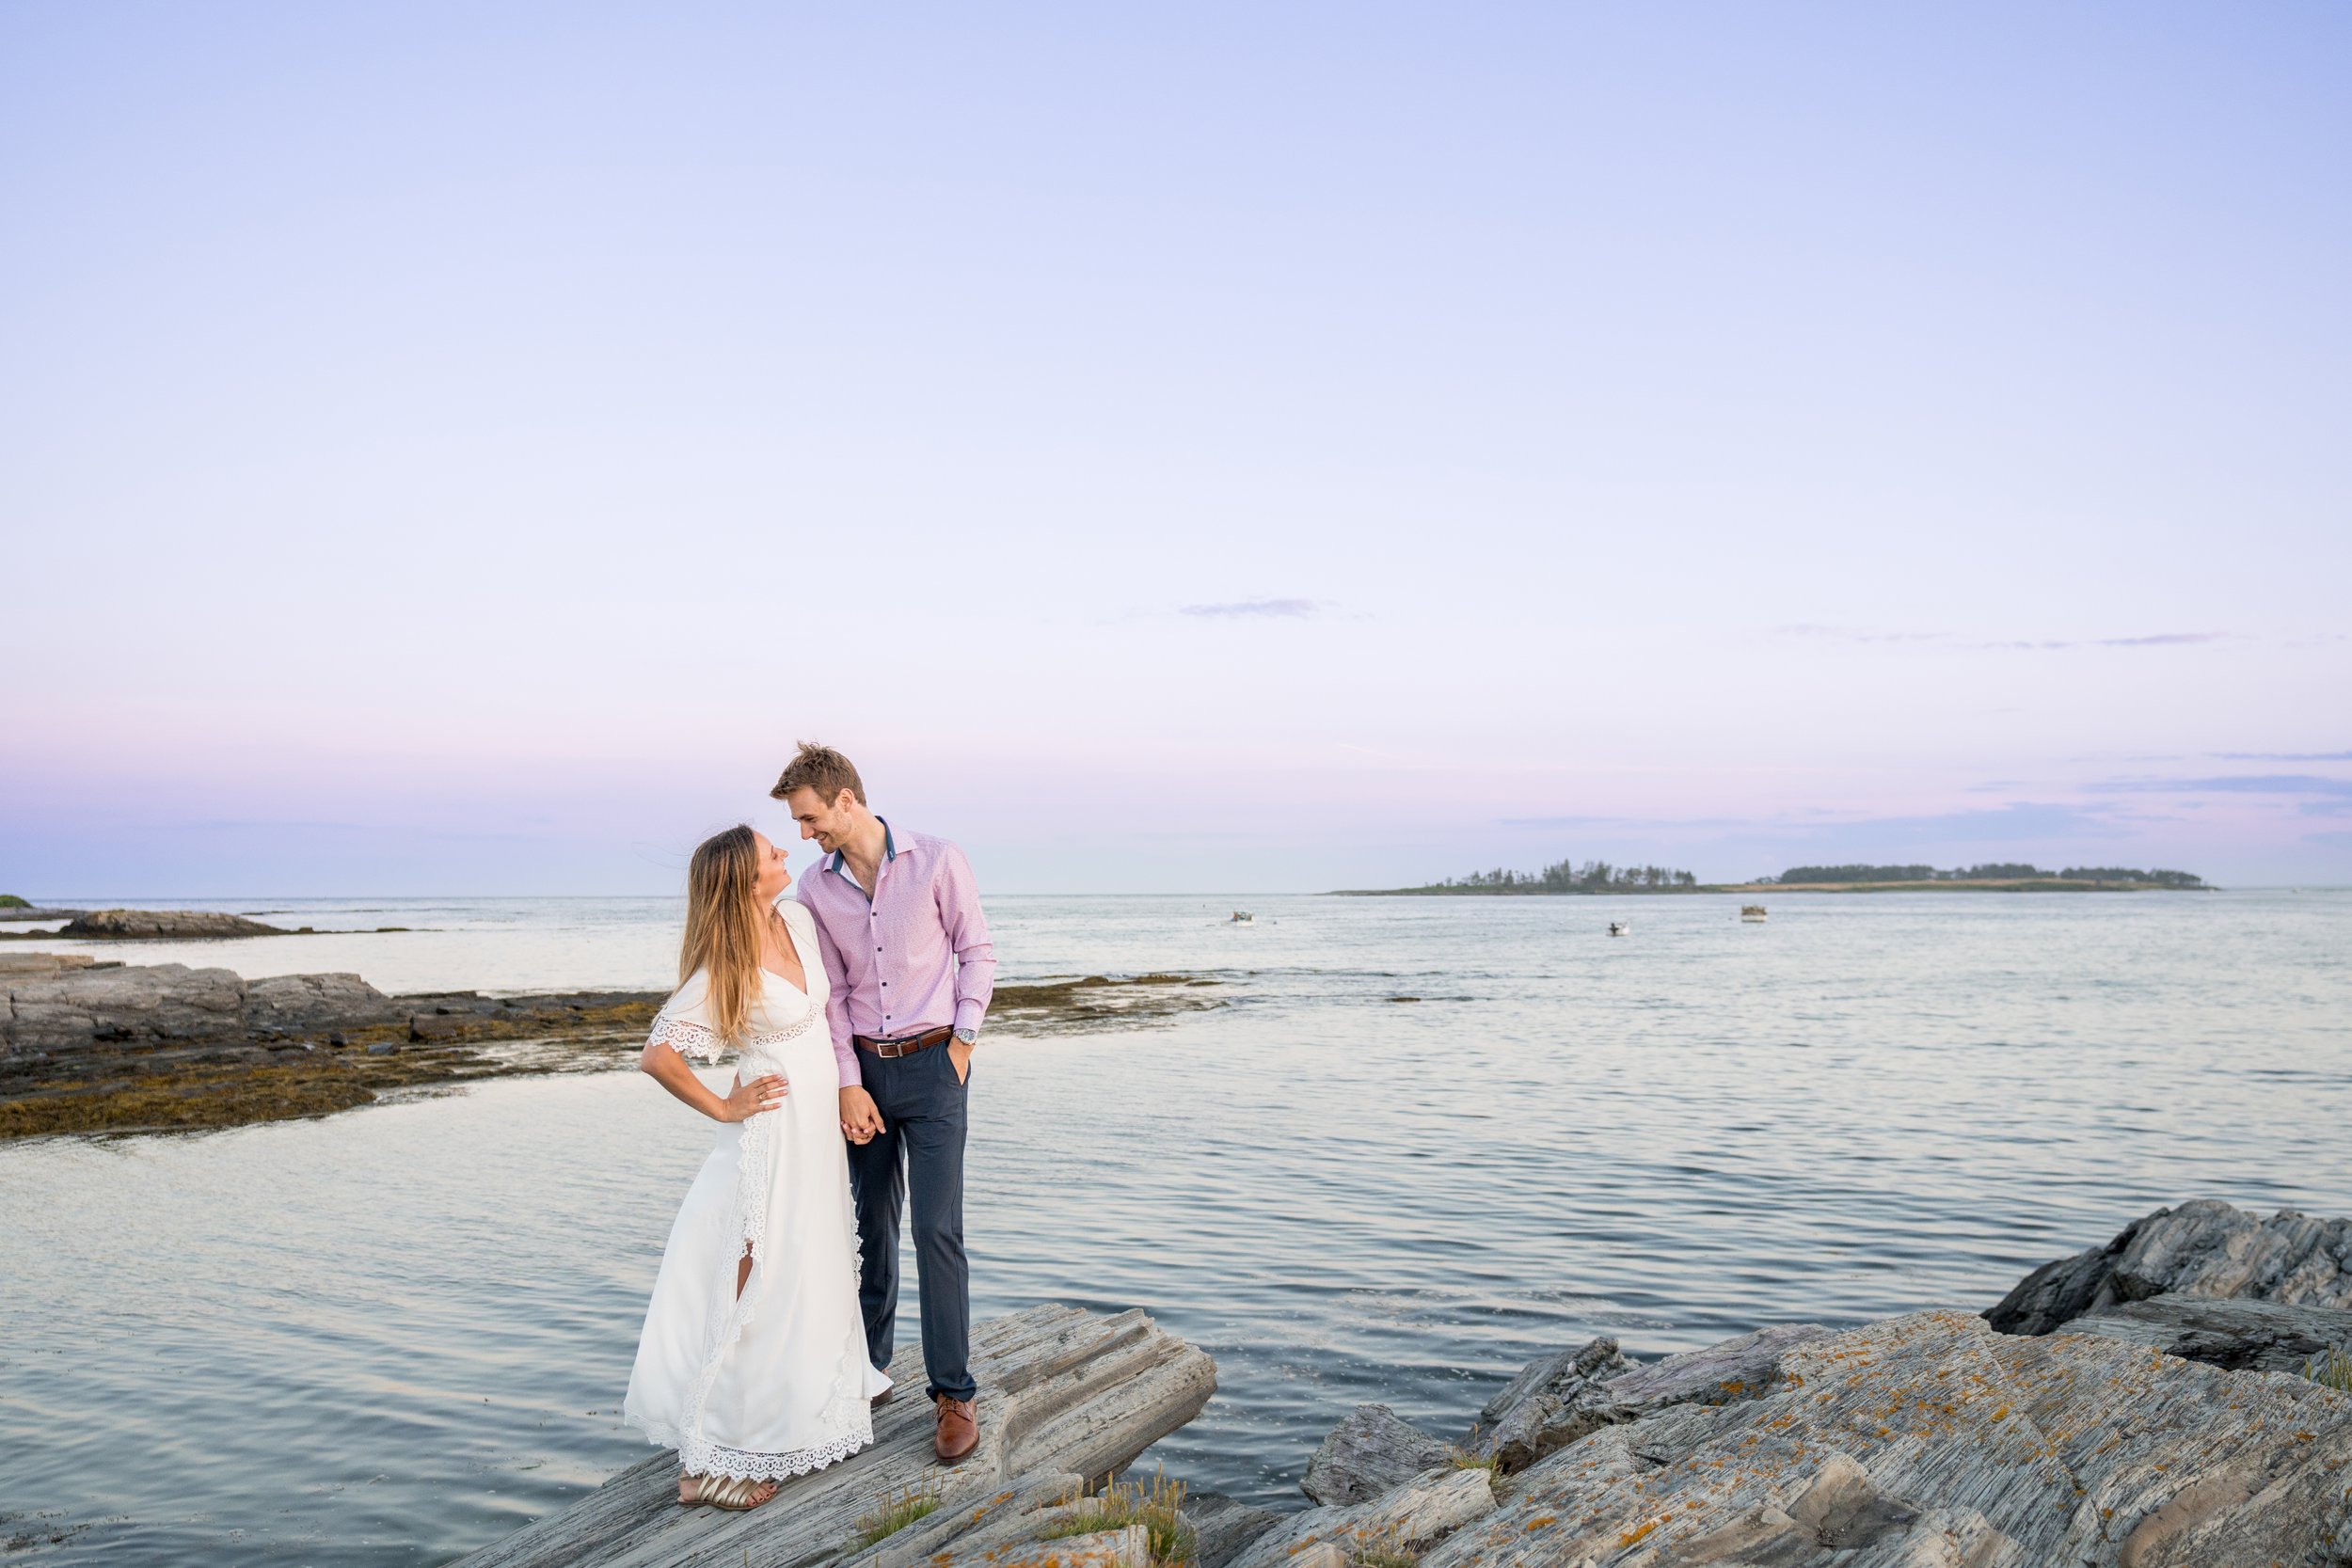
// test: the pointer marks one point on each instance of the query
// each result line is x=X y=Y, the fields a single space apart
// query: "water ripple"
x=389 y=1337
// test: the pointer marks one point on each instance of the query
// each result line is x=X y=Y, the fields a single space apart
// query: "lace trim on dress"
x=687 y=1039
x=846 y=1417
x=705 y=1044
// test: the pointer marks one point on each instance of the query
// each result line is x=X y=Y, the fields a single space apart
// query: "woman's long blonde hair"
x=722 y=925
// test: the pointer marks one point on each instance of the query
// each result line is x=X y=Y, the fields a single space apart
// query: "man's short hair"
x=822 y=769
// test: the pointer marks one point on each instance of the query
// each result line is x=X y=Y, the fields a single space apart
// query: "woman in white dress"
x=753 y=1362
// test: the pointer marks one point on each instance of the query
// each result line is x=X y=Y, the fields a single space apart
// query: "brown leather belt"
x=907 y=1047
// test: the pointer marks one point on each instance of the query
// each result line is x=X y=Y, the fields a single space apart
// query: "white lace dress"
x=776 y=1383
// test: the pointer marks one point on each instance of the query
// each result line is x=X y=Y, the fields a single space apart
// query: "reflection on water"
x=388 y=1337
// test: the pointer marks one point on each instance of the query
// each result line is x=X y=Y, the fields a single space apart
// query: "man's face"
x=827 y=822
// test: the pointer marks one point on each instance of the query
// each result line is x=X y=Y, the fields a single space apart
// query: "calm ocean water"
x=390 y=1335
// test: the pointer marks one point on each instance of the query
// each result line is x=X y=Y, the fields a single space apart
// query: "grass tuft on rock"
x=1468 y=1458
x=894 y=1511
x=1382 y=1549
x=2331 y=1370
x=1158 y=1508
x=10 y=901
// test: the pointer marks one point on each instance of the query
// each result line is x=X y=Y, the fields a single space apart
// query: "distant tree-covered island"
x=1590 y=877
x=1560 y=877
x=1998 y=871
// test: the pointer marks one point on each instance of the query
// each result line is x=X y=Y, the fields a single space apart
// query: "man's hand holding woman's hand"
x=749 y=1100
x=861 y=1119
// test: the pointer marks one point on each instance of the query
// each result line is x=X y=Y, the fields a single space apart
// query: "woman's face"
x=773 y=879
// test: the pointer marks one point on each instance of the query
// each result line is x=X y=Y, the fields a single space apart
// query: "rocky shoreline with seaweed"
x=92 y=1045
x=2178 y=1397
x=123 y=924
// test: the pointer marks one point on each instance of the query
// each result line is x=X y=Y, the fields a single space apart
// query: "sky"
x=460 y=449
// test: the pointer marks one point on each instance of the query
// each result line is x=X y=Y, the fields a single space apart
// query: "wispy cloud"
x=1274 y=609
x=2280 y=756
x=2154 y=640
x=2322 y=797
x=2031 y=645
x=2235 y=784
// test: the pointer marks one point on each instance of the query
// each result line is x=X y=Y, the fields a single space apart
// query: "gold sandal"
x=734 y=1494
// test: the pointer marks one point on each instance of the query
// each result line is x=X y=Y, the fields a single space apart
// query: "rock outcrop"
x=164 y=925
x=1553 y=1403
x=90 y=1045
x=32 y=966
x=1396 y=1525
x=1064 y=1394
x=2201 y=1248
x=69 y=1010
x=1371 y=1452
x=2153 y=1433
x=1931 y=1439
x=2231 y=1334
x=73 y=1009
x=94 y=1045
x=1222 y=1526
x=33 y=911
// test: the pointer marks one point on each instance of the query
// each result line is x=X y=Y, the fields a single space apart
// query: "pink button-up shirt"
x=913 y=958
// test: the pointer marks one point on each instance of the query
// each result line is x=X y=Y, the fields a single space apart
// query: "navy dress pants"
x=919 y=1154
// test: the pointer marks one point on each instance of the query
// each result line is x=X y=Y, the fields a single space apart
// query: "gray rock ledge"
x=1924 y=1441
x=1370 y=1453
x=1064 y=1394
x=2235 y=1335
x=2201 y=1248
x=164 y=925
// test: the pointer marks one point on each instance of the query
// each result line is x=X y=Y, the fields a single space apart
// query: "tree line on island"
x=1568 y=876
x=1999 y=871
x=1596 y=876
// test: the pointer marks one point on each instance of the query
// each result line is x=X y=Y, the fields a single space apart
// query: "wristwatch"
x=966 y=1036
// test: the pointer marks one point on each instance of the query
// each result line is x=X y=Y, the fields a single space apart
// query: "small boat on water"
x=1620 y=929
x=1752 y=912
x=1243 y=917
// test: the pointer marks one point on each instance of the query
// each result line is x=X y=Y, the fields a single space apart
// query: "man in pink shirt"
x=907 y=952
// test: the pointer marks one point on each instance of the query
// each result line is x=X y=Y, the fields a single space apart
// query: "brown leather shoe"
x=958 y=1429
x=881 y=1399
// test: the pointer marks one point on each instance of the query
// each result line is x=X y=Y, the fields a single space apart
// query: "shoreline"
x=2181 y=1395
x=95 y=1047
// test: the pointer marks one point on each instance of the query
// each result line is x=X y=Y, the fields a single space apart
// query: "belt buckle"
x=890 y=1051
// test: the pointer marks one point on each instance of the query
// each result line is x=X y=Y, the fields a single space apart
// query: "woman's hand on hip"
x=749 y=1100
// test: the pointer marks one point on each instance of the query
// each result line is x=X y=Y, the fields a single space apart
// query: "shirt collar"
x=890 y=851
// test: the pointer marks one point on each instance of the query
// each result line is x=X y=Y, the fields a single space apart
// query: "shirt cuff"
x=968 y=1015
